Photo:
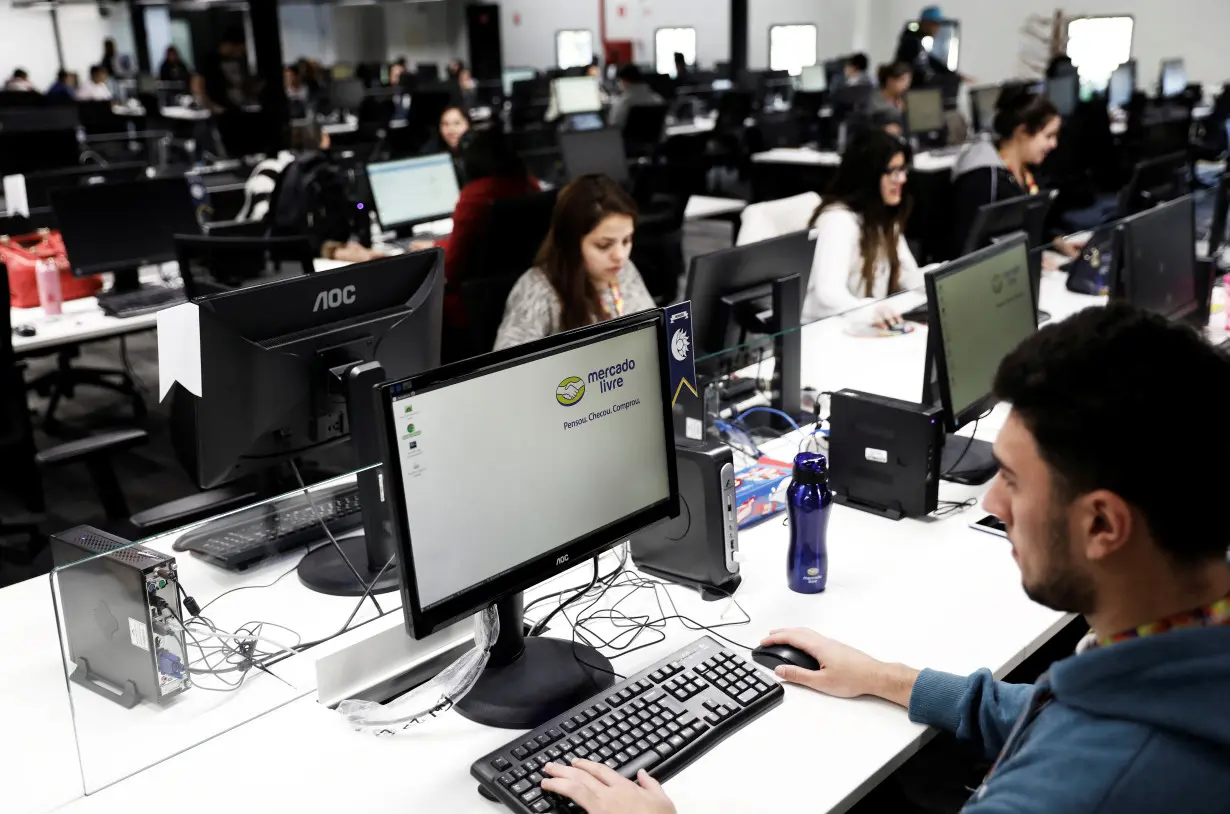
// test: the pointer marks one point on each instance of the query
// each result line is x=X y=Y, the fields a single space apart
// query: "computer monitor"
x=924 y=111
x=120 y=227
x=1173 y=80
x=597 y=403
x=40 y=184
x=813 y=79
x=287 y=370
x=511 y=76
x=576 y=94
x=595 y=151
x=1221 y=208
x=1121 y=86
x=1154 y=182
x=1064 y=93
x=1157 y=268
x=719 y=275
x=979 y=309
x=410 y=191
x=1024 y=213
x=38 y=138
x=982 y=103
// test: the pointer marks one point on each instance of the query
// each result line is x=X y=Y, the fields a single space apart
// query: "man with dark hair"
x=228 y=77
x=856 y=70
x=634 y=90
x=1106 y=520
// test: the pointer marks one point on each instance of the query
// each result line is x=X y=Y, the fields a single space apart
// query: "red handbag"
x=19 y=255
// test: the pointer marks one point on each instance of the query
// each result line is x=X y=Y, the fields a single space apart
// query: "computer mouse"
x=24 y=330
x=773 y=655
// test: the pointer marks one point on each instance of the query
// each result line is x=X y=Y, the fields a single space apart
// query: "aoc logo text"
x=334 y=298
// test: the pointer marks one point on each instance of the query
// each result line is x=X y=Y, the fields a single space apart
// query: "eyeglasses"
x=902 y=173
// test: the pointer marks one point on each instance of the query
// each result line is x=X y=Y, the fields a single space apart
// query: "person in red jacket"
x=495 y=171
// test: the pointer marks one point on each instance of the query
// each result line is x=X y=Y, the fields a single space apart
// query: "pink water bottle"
x=47 y=278
x=1225 y=299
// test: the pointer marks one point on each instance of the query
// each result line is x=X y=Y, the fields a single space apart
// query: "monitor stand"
x=528 y=681
x=124 y=280
x=967 y=461
x=324 y=570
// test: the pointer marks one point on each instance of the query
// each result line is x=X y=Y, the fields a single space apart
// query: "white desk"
x=185 y=114
x=704 y=124
x=84 y=321
x=928 y=592
x=923 y=161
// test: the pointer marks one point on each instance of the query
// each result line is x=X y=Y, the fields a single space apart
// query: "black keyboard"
x=660 y=720
x=144 y=300
x=249 y=536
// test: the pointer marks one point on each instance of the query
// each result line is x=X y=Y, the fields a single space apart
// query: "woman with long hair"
x=861 y=254
x=583 y=273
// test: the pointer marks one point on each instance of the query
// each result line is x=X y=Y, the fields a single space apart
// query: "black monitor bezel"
x=422 y=621
x=412 y=222
x=937 y=361
x=1123 y=280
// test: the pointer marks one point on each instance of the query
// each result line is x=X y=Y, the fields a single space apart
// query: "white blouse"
x=836 y=283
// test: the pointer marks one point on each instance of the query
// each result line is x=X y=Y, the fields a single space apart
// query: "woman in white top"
x=861 y=253
x=97 y=89
x=583 y=273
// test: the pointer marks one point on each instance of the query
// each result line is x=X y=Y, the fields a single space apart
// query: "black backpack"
x=312 y=198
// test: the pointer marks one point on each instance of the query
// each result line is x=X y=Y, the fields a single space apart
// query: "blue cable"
x=794 y=424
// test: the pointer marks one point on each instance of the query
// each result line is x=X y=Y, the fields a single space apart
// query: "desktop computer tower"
x=700 y=547
x=884 y=454
x=119 y=604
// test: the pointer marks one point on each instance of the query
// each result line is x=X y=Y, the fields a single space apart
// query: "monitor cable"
x=294 y=467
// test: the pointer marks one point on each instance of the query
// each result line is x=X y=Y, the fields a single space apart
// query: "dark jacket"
x=979 y=177
x=469 y=230
x=174 y=71
x=927 y=69
x=1139 y=727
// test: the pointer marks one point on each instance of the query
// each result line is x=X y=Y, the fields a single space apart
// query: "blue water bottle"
x=809 y=501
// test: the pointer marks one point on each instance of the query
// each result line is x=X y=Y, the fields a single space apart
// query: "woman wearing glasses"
x=861 y=253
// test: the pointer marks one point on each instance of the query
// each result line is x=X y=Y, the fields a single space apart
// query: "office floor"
x=151 y=475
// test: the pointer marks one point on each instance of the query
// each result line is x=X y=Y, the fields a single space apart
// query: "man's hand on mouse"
x=601 y=790
x=844 y=672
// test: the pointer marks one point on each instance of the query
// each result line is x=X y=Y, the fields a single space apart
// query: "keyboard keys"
x=501 y=765
x=645 y=761
x=520 y=752
x=521 y=786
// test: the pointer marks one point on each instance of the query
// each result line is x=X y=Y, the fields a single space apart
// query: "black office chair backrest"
x=644 y=129
x=21 y=98
x=98 y=119
x=211 y=264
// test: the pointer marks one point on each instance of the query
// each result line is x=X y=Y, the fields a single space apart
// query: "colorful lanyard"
x=616 y=300
x=1031 y=186
x=1209 y=616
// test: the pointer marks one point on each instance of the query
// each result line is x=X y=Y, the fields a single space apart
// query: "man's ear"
x=1103 y=523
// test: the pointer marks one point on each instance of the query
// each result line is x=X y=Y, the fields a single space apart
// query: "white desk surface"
x=702 y=124
x=700 y=207
x=927 y=592
x=83 y=321
x=923 y=161
x=185 y=114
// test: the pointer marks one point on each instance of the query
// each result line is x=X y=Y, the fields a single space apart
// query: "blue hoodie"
x=1139 y=726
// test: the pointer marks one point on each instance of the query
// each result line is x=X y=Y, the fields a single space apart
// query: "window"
x=574 y=48
x=670 y=41
x=792 y=47
x=1098 y=45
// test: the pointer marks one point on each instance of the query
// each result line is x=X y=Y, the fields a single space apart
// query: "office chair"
x=212 y=264
x=516 y=228
x=644 y=129
x=769 y=219
x=97 y=119
x=21 y=475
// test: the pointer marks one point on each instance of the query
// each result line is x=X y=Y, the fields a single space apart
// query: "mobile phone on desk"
x=991 y=525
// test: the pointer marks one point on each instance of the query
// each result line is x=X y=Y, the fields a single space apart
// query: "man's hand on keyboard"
x=844 y=672
x=601 y=790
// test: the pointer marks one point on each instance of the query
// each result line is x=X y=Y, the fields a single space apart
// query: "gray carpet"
x=151 y=475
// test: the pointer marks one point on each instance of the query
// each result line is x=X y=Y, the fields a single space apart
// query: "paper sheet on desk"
x=15 y=195
x=179 y=349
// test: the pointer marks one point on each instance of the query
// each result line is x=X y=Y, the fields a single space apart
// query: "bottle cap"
x=811 y=467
